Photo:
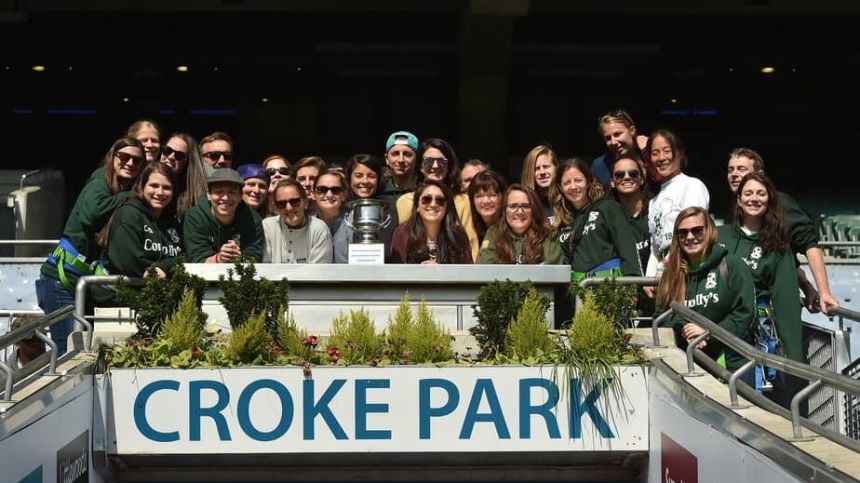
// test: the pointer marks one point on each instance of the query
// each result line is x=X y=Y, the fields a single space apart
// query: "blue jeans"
x=52 y=296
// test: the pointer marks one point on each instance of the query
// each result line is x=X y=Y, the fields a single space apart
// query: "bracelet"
x=218 y=257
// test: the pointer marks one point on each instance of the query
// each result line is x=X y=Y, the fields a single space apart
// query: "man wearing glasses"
x=216 y=150
x=222 y=229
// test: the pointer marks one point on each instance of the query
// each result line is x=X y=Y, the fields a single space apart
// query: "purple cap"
x=248 y=171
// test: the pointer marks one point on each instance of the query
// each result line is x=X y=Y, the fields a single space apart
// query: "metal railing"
x=81 y=291
x=27 y=331
x=814 y=375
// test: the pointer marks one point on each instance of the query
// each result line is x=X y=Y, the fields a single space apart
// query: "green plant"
x=291 y=338
x=498 y=304
x=427 y=339
x=160 y=297
x=398 y=330
x=593 y=345
x=528 y=336
x=249 y=295
x=353 y=338
x=616 y=301
x=184 y=328
x=250 y=343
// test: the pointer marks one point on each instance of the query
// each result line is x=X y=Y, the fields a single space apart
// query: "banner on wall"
x=396 y=409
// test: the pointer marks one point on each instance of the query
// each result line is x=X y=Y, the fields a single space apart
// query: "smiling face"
x=691 y=233
x=217 y=153
x=467 y=174
x=224 y=198
x=157 y=193
x=254 y=192
x=488 y=203
x=434 y=165
x=739 y=166
x=176 y=154
x=574 y=187
x=363 y=181
x=432 y=205
x=627 y=178
x=291 y=206
x=127 y=163
x=664 y=159
x=148 y=136
x=753 y=199
x=330 y=193
x=544 y=171
x=400 y=159
x=307 y=177
x=619 y=138
x=518 y=212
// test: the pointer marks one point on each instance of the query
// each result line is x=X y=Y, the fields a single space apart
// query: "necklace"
x=431 y=249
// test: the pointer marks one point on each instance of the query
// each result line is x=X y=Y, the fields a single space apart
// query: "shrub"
x=353 y=338
x=250 y=342
x=616 y=302
x=290 y=336
x=160 y=297
x=498 y=304
x=398 y=330
x=248 y=295
x=593 y=344
x=528 y=335
x=427 y=339
x=184 y=328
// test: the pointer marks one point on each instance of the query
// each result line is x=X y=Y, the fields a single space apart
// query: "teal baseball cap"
x=402 y=137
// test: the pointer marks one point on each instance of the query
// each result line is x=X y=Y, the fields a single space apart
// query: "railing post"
x=52 y=367
x=691 y=345
x=85 y=323
x=10 y=378
x=795 y=410
x=655 y=327
x=733 y=384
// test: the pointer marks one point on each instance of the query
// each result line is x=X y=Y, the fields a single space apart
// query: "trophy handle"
x=386 y=223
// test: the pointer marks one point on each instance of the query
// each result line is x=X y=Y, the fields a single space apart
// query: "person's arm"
x=125 y=253
x=487 y=255
x=552 y=252
x=464 y=212
x=786 y=306
x=404 y=207
x=252 y=238
x=741 y=292
x=321 y=248
x=196 y=238
x=624 y=241
x=815 y=257
x=399 y=240
x=269 y=237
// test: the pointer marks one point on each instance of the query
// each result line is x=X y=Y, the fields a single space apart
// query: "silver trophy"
x=368 y=218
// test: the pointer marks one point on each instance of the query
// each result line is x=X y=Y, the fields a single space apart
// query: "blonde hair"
x=673 y=282
x=620 y=116
x=528 y=176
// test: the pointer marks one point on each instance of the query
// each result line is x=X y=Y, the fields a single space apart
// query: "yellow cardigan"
x=464 y=211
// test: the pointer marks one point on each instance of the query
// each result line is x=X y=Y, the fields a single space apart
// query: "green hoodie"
x=551 y=249
x=801 y=229
x=92 y=210
x=602 y=233
x=204 y=235
x=729 y=303
x=138 y=240
x=775 y=277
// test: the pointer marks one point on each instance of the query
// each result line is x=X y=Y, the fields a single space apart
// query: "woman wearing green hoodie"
x=703 y=276
x=78 y=251
x=759 y=236
x=144 y=230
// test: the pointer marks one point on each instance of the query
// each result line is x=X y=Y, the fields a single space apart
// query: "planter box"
x=350 y=410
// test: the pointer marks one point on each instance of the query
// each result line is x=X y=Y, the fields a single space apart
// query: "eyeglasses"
x=166 y=151
x=293 y=202
x=281 y=171
x=427 y=199
x=515 y=207
x=428 y=162
x=322 y=190
x=216 y=155
x=697 y=231
x=621 y=174
x=126 y=157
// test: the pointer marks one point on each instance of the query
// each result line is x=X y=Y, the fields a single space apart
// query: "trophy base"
x=366 y=254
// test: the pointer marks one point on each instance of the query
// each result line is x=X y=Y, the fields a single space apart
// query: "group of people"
x=631 y=211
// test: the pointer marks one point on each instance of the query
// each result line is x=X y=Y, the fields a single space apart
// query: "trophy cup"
x=368 y=220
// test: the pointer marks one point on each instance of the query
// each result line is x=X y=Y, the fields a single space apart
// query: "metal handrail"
x=815 y=375
x=27 y=331
x=81 y=299
x=834 y=243
x=846 y=313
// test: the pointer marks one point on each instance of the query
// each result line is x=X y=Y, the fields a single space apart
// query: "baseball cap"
x=226 y=175
x=410 y=140
x=248 y=171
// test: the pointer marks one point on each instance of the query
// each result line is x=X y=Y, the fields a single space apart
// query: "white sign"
x=366 y=254
x=395 y=409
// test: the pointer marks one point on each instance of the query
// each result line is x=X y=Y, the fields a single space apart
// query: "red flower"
x=195 y=351
x=335 y=356
x=311 y=340
x=331 y=350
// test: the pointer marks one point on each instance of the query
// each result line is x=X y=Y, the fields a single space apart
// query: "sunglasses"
x=126 y=157
x=281 y=171
x=293 y=202
x=216 y=155
x=428 y=162
x=697 y=231
x=427 y=199
x=322 y=190
x=515 y=207
x=166 y=151
x=621 y=174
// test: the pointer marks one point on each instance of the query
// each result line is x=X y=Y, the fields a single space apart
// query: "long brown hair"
x=103 y=235
x=486 y=181
x=193 y=182
x=528 y=176
x=773 y=232
x=563 y=213
x=112 y=179
x=533 y=238
x=452 y=243
x=673 y=283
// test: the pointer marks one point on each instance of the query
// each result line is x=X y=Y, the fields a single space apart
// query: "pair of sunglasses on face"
x=634 y=174
x=281 y=171
x=293 y=202
x=322 y=190
x=167 y=151
x=126 y=157
x=427 y=163
x=216 y=155
x=697 y=231
x=427 y=199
